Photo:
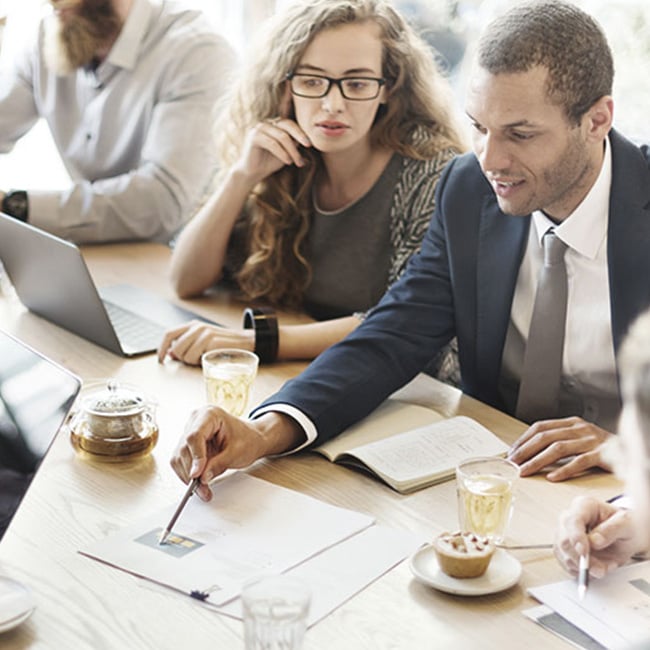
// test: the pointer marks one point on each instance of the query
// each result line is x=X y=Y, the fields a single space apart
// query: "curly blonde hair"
x=417 y=121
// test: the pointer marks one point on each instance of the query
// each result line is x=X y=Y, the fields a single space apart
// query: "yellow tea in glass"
x=485 y=495
x=228 y=376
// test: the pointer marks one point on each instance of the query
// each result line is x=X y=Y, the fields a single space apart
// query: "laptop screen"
x=35 y=397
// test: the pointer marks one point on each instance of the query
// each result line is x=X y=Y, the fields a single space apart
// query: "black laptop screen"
x=35 y=397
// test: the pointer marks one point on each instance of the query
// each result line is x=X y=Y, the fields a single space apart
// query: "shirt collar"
x=585 y=229
x=125 y=50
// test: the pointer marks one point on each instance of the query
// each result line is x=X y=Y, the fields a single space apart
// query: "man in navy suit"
x=545 y=155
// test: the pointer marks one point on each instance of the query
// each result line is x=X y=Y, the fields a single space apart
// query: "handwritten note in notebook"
x=406 y=458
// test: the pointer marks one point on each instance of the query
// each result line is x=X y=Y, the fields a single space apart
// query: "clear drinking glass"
x=485 y=495
x=275 y=612
x=228 y=376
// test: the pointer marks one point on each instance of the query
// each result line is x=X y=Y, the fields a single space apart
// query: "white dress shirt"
x=135 y=135
x=589 y=365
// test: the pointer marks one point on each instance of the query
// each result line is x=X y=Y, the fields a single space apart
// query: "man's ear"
x=598 y=119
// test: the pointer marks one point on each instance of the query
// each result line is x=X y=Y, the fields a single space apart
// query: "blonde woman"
x=333 y=143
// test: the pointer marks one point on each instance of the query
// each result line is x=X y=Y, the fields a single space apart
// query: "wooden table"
x=84 y=604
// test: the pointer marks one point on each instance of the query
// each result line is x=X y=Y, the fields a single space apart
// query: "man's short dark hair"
x=560 y=37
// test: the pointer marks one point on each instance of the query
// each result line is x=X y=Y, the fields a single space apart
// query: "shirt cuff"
x=308 y=427
x=44 y=210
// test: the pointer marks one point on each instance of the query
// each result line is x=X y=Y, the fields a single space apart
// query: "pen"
x=583 y=575
x=188 y=493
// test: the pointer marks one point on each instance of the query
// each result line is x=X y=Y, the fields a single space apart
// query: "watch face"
x=15 y=204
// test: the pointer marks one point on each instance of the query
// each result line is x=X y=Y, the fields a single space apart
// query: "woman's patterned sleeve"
x=412 y=208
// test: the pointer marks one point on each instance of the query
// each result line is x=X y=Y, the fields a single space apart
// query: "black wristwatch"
x=16 y=204
x=265 y=323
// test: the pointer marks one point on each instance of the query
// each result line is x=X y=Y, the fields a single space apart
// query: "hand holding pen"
x=215 y=441
x=205 y=440
x=594 y=538
x=194 y=483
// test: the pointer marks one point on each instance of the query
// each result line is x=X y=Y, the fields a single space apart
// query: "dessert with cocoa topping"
x=463 y=554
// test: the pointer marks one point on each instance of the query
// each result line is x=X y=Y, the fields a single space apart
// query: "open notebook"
x=411 y=447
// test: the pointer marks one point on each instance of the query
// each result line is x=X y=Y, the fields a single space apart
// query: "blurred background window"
x=449 y=26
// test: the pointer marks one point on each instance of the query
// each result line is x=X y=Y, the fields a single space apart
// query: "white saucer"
x=16 y=604
x=503 y=572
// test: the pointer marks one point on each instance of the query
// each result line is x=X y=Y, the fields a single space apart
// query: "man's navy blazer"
x=462 y=284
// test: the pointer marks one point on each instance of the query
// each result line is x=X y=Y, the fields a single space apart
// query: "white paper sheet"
x=615 y=611
x=342 y=571
x=250 y=527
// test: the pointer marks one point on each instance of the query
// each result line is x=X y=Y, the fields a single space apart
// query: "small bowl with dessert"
x=465 y=563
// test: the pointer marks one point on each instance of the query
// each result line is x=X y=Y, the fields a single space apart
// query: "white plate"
x=503 y=572
x=16 y=604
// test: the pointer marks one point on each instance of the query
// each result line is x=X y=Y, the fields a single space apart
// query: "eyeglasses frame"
x=381 y=81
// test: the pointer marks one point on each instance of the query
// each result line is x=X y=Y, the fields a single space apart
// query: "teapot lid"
x=115 y=399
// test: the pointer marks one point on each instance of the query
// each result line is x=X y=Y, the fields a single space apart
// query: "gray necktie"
x=540 y=380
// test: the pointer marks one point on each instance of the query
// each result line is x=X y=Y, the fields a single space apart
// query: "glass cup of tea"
x=228 y=375
x=485 y=495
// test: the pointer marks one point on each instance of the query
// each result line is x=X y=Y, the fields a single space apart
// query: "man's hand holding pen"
x=595 y=535
x=215 y=441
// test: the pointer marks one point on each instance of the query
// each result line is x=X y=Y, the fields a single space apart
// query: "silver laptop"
x=35 y=397
x=51 y=279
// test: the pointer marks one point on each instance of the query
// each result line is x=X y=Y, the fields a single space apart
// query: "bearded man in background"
x=80 y=34
x=128 y=90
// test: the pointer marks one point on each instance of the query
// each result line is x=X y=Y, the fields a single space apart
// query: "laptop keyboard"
x=133 y=331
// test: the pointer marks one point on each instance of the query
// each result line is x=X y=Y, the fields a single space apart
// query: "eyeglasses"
x=314 y=86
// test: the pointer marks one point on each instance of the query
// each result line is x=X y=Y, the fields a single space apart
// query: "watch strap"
x=265 y=323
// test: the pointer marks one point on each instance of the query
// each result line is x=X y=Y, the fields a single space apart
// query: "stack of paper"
x=614 y=614
x=251 y=528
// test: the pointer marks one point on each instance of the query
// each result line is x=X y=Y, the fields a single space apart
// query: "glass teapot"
x=113 y=422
